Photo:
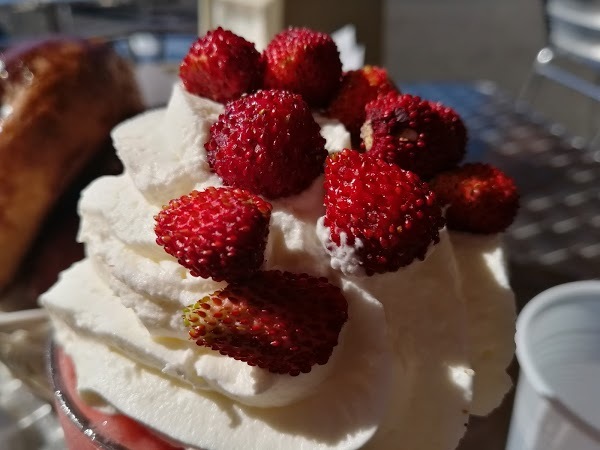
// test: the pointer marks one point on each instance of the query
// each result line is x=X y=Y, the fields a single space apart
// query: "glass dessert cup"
x=87 y=428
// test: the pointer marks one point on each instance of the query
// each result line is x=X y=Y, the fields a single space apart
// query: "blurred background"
x=417 y=40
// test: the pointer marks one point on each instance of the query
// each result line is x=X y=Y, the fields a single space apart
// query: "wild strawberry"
x=454 y=125
x=268 y=143
x=387 y=215
x=219 y=233
x=358 y=88
x=221 y=66
x=480 y=198
x=303 y=61
x=279 y=321
x=414 y=134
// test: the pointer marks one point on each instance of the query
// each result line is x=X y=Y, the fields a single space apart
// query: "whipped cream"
x=402 y=375
x=344 y=257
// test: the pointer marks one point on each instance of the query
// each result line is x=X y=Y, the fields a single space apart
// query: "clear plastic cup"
x=557 y=404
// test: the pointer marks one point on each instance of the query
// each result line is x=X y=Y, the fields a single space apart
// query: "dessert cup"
x=88 y=428
x=404 y=364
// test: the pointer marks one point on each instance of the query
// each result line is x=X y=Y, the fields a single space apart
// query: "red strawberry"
x=480 y=198
x=221 y=66
x=391 y=211
x=415 y=134
x=219 y=233
x=303 y=61
x=358 y=88
x=455 y=125
x=268 y=143
x=279 y=321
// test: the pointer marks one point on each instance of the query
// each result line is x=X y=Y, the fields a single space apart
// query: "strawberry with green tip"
x=480 y=198
x=279 y=321
x=218 y=233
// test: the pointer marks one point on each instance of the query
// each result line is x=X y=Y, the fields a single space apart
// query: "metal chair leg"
x=532 y=84
x=595 y=141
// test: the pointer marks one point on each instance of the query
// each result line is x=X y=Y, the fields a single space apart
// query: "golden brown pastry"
x=59 y=100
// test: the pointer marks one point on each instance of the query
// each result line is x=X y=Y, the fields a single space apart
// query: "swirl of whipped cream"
x=117 y=228
x=401 y=369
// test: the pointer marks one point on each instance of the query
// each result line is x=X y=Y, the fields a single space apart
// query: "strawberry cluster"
x=280 y=321
x=415 y=134
x=383 y=203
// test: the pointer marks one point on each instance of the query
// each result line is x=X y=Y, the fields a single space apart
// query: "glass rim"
x=66 y=406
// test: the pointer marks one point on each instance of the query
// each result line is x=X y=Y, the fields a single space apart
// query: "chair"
x=572 y=33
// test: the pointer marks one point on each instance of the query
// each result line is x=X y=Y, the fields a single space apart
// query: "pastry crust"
x=60 y=99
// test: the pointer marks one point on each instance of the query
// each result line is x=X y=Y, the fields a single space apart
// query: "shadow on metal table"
x=556 y=236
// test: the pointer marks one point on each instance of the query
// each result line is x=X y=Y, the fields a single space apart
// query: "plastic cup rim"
x=551 y=297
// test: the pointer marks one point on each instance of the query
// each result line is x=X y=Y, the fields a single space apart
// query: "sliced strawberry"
x=280 y=321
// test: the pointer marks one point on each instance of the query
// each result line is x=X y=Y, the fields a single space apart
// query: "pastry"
x=60 y=99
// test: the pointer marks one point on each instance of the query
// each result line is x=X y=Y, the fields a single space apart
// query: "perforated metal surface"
x=558 y=226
